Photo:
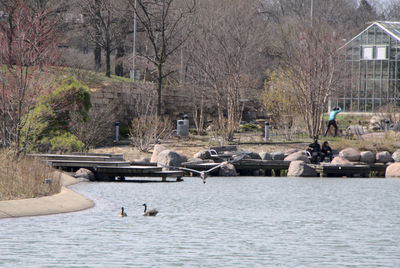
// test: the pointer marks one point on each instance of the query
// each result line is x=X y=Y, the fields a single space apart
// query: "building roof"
x=390 y=27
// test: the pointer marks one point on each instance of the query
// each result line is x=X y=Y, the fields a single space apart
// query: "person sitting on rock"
x=327 y=151
x=315 y=151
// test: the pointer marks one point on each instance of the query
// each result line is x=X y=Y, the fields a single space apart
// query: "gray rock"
x=252 y=155
x=367 y=157
x=265 y=156
x=301 y=155
x=291 y=151
x=205 y=154
x=278 y=156
x=144 y=160
x=169 y=158
x=350 y=154
x=195 y=160
x=227 y=170
x=354 y=131
x=393 y=171
x=158 y=148
x=396 y=156
x=298 y=168
x=85 y=174
x=383 y=157
x=184 y=158
x=340 y=161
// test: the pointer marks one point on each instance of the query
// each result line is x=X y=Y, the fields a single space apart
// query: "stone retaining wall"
x=123 y=96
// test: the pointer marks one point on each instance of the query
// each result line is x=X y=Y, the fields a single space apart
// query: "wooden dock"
x=109 y=173
x=73 y=165
x=247 y=166
x=80 y=157
x=107 y=167
x=334 y=170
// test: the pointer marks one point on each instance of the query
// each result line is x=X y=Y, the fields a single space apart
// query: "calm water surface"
x=228 y=222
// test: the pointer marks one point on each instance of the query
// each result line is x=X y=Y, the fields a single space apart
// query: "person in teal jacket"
x=332 y=120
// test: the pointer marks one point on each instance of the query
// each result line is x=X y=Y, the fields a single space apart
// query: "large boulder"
x=367 y=157
x=84 y=174
x=252 y=155
x=169 y=159
x=301 y=155
x=144 y=160
x=227 y=170
x=354 y=131
x=298 y=168
x=205 y=154
x=350 y=154
x=393 y=170
x=383 y=157
x=291 y=151
x=340 y=161
x=265 y=156
x=158 y=148
x=396 y=156
x=278 y=156
x=184 y=158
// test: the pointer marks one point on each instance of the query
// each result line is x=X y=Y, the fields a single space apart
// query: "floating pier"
x=247 y=166
x=108 y=167
x=334 y=170
x=109 y=173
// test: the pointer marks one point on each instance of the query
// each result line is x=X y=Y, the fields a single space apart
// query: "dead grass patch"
x=25 y=177
x=388 y=141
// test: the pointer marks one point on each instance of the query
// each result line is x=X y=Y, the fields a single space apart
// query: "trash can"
x=182 y=128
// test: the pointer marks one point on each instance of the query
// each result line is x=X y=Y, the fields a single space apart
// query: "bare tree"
x=28 y=44
x=311 y=64
x=106 y=27
x=224 y=52
x=166 y=25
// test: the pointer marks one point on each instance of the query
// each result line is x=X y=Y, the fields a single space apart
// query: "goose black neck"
x=145 y=207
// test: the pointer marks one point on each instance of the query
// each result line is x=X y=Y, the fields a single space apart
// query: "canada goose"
x=152 y=212
x=122 y=213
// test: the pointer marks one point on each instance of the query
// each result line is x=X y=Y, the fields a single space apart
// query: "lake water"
x=227 y=222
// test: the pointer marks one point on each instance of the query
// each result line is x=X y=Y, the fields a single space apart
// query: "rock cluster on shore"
x=299 y=166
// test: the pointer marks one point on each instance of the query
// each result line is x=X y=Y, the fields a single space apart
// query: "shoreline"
x=64 y=202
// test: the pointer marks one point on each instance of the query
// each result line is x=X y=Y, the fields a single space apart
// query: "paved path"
x=65 y=201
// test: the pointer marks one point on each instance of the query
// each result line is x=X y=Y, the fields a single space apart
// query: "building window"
x=368 y=53
x=381 y=53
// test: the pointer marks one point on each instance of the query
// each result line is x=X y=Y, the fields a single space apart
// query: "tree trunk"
x=97 y=57
x=159 y=89
x=108 y=62
x=119 y=67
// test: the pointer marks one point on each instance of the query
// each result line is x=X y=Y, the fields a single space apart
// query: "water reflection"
x=228 y=222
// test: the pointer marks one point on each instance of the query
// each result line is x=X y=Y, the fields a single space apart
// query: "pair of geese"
x=146 y=212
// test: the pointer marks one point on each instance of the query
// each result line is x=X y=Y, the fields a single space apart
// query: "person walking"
x=332 y=120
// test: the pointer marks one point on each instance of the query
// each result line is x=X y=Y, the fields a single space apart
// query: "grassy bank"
x=23 y=177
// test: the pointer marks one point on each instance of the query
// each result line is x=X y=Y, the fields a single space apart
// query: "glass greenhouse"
x=372 y=65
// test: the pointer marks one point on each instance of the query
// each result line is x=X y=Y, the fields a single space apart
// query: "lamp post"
x=312 y=11
x=134 y=43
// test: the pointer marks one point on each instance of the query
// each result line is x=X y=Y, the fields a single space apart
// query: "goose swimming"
x=122 y=213
x=151 y=212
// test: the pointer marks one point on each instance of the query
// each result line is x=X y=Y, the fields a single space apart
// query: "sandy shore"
x=65 y=201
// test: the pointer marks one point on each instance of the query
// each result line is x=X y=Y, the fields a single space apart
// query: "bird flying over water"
x=204 y=174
